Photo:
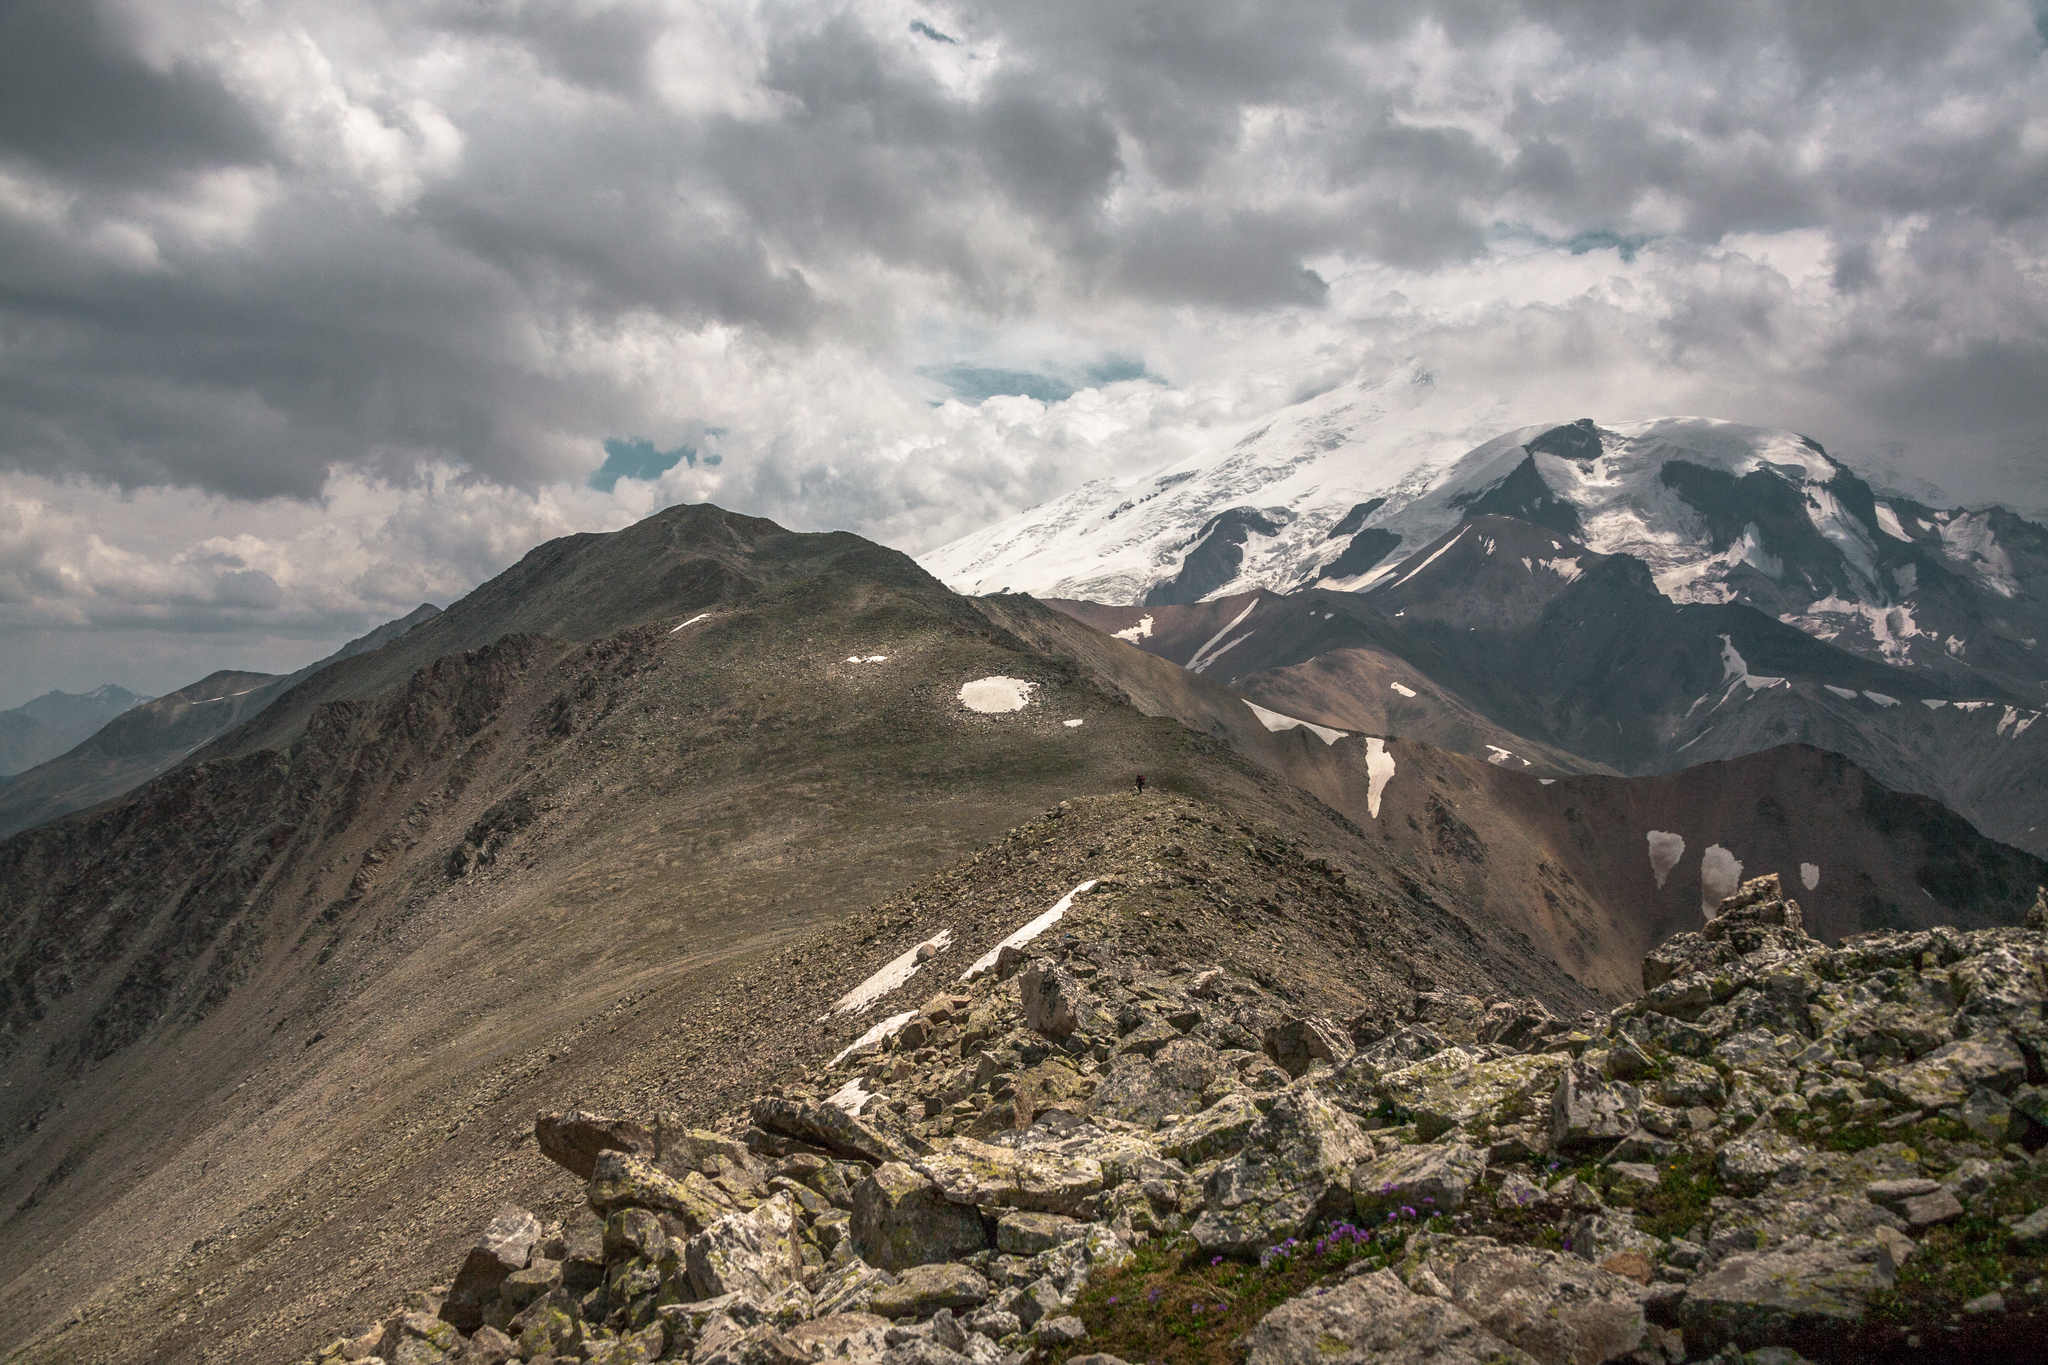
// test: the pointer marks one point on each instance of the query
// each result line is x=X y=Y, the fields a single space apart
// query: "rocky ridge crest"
x=1780 y=1147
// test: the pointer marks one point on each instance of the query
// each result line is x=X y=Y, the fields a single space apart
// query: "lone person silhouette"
x=1141 y=784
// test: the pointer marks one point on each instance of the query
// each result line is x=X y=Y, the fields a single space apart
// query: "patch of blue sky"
x=640 y=459
x=975 y=384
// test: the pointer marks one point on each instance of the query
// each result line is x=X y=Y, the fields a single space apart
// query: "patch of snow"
x=1957 y=644
x=1276 y=722
x=1567 y=569
x=1404 y=691
x=2005 y=722
x=1199 y=662
x=1720 y=878
x=898 y=970
x=1972 y=705
x=1809 y=873
x=1379 y=768
x=1548 y=781
x=1845 y=693
x=1134 y=633
x=987 y=961
x=1880 y=698
x=1073 y=724
x=1734 y=669
x=1887 y=522
x=1933 y=703
x=1223 y=651
x=1498 y=754
x=1666 y=849
x=867 y=659
x=1694 y=740
x=2021 y=728
x=850 y=1097
x=886 y=1029
x=700 y=616
x=1969 y=538
x=1892 y=628
x=1907 y=576
x=997 y=695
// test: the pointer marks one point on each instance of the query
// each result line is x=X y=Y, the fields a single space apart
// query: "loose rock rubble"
x=1753 y=1156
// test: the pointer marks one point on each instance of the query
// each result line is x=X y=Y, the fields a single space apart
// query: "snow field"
x=899 y=970
x=996 y=696
x=1276 y=722
x=1379 y=770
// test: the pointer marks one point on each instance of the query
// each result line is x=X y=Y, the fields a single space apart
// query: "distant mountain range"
x=1629 y=597
x=146 y=737
x=43 y=728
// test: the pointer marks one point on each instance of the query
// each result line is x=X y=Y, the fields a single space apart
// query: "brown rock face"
x=573 y=1140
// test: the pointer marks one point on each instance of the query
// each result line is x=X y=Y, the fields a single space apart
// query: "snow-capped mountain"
x=1343 y=492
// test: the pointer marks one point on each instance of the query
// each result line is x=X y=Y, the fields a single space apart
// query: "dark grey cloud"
x=466 y=257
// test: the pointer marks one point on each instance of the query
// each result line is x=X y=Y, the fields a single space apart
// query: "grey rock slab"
x=1947 y=1075
x=1588 y=1112
x=1026 y=1234
x=901 y=1219
x=1054 y=1000
x=1799 y=1295
x=1375 y=1318
x=1761 y=1158
x=923 y=1290
x=2030 y=1234
x=1065 y=1330
x=1430 y=1178
x=970 y=1172
x=573 y=1139
x=1293 y=1173
x=756 y=1254
x=1927 y=1210
x=830 y=1127
x=502 y=1249
x=1173 y=1081
x=1296 y=1044
x=856 y=1338
x=1556 y=1307
x=1217 y=1131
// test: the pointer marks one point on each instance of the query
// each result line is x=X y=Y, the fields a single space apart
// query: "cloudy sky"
x=311 y=312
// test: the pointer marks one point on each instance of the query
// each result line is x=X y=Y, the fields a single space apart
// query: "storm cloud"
x=348 y=282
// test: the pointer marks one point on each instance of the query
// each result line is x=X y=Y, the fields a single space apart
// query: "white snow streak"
x=1379 y=768
x=1198 y=662
x=1567 y=569
x=1809 y=873
x=1427 y=562
x=1276 y=722
x=1880 y=698
x=987 y=960
x=1134 y=633
x=702 y=615
x=1735 y=668
x=1887 y=522
x=850 y=1097
x=886 y=1029
x=899 y=970
x=1073 y=724
x=1845 y=693
x=1404 y=691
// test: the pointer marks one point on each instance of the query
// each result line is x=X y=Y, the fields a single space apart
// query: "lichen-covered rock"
x=1753 y=1163
x=1556 y=1307
x=1027 y=1234
x=1293 y=1174
x=830 y=1127
x=849 y=1288
x=1428 y=1179
x=419 y=1339
x=1217 y=1131
x=980 y=1173
x=1375 y=1320
x=1453 y=1089
x=1172 y=1082
x=1588 y=1112
x=1053 y=999
x=922 y=1290
x=902 y=1219
x=620 y=1181
x=754 y=1254
x=1297 y=1044
x=1946 y=1076
x=1799 y=1295
x=854 y=1338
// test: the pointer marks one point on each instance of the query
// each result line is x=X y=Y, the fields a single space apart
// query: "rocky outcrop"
x=1780 y=1145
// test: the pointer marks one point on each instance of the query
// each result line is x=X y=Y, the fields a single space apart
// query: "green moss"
x=1173 y=1305
x=1682 y=1197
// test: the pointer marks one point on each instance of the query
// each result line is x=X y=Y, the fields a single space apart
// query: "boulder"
x=980 y=1173
x=1556 y=1307
x=855 y=1338
x=1293 y=1174
x=419 y=1339
x=1217 y=1131
x=619 y=1181
x=923 y=1290
x=1453 y=1089
x=1027 y=1234
x=1763 y=1157
x=830 y=1127
x=901 y=1219
x=1054 y=1001
x=1947 y=1075
x=2030 y=1234
x=848 y=1288
x=755 y=1254
x=1172 y=1082
x=573 y=1140
x=1296 y=1044
x=1429 y=1178
x=1800 y=1295
x=1588 y=1112
x=1375 y=1320
x=502 y=1249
